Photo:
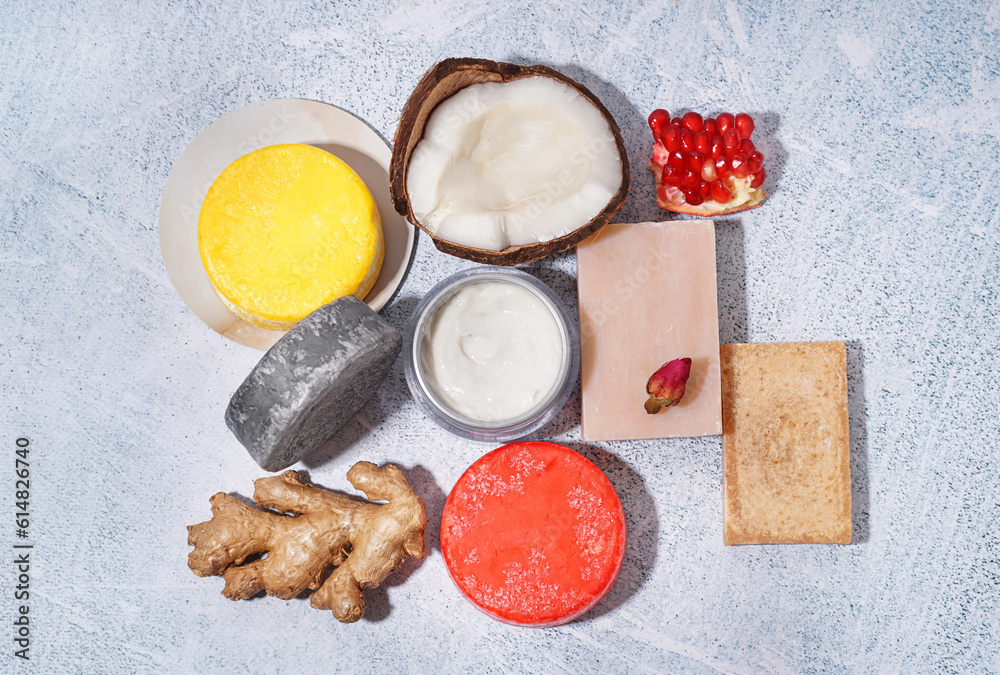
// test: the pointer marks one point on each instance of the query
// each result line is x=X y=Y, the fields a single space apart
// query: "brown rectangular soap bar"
x=785 y=444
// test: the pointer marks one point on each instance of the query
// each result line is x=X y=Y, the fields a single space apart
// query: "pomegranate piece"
x=695 y=161
x=739 y=164
x=658 y=121
x=692 y=121
x=720 y=192
x=712 y=127
x=692 y=197
x=672 y=138
x=706 y=166
x=732 y=140
x=718 y=147
x=703 y=142
x=722 y=166
x=708 y=171
x=744 y=124
x=687 y=140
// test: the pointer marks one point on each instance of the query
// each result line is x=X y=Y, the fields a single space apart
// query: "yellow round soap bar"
x=286 y=230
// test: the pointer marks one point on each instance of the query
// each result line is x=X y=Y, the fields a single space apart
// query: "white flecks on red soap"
x=541 y=557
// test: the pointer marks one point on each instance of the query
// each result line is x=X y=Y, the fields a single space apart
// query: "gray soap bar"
x=312 y=382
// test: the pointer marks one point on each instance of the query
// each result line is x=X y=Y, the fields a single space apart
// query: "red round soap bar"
x=533 y=534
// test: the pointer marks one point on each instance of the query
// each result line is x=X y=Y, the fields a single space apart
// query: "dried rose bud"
x=666 y=386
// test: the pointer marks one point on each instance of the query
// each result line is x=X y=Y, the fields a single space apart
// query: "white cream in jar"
x=492 y=351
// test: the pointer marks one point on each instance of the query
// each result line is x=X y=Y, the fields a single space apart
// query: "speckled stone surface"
x=312 y=382
x=881 y=128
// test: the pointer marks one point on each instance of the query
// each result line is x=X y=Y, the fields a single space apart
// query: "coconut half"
x=509 y=171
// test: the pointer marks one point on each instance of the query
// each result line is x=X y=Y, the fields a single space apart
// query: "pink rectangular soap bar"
x=648 y=296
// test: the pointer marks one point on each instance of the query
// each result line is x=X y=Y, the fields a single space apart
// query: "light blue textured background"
x=881 y=128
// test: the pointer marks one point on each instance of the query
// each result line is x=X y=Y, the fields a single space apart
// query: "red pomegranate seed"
x=726 y=122
x=722 y=166
x=703 y=142
x=732 y=140
x=676 y=160
x=720 y=192
x=718 y=147
x=744 y=124
x=677 y=122
x=747 y=146
x=672 y=138
x=755 y=162
x=692 y=121
x=739 y=164
x=712 y=127
x=658 y=121
x=670 y=176
x=687 y=140
x=689 y=179
x=692 y=197
x=704 y=190
x=758 y=178
x=695 y=160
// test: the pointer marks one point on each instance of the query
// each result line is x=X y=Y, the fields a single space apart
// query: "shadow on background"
x=371 y=416
x=857 y=410
x=394 y=227
x=641 y=203
x=731 y=275
x=564 y=286
x=765 y=137
x=373 y=413
x=640 y=519
x=377 y=603
x=399 y=312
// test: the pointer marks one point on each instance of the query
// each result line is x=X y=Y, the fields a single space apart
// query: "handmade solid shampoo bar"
x=287 y=229
x=533 y=534
x=785 y=444
x=312 y=382
x=648 y=296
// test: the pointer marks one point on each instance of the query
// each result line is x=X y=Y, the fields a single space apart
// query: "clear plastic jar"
x=437 y=407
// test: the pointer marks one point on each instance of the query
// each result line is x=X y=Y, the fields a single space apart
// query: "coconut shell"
x=444 y=80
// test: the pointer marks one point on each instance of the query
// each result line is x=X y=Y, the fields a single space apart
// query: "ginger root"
x=364 y=541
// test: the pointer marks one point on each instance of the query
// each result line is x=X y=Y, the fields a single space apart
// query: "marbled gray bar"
x=312 y=382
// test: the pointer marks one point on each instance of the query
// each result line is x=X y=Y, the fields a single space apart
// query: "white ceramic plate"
x=243 y=131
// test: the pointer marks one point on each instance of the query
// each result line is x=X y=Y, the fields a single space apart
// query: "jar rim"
x=502 y=430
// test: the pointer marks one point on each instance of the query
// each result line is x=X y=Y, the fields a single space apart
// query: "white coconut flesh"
x=506 y=164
